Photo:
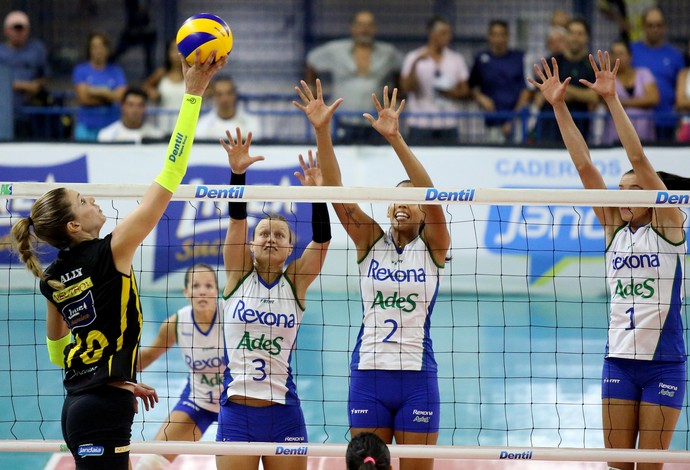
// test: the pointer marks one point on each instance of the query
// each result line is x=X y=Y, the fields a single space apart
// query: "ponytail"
x=24 y=243
x=49 y=217
x=674 y=182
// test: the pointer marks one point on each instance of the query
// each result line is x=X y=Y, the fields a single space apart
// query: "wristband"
x=238 y=210
x=320 y=222
x=56 y=349
x=180 y=144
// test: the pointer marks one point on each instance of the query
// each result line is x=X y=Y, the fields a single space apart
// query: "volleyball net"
x=518 y=329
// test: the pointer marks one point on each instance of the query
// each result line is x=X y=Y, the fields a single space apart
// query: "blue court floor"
x=513 y=371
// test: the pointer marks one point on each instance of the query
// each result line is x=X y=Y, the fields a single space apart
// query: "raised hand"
x=316 y=110
x=388 y=122
x=238 y=152
x=198 y=76
x=551 y=86
x=311 y=173
x=605 y=83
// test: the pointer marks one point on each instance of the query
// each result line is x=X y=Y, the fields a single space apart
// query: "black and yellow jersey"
x=102 y=309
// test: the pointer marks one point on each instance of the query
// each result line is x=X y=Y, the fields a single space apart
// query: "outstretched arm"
x=128 y=234
x=236 y=255
x=166 y=338
x=554 y=91
x=388 y=125
x=359 y=226
x=605 y=86
x=305 y=269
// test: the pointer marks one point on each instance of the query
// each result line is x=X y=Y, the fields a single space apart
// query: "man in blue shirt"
x=28 y=63
x=665 y=62
x=498 y=81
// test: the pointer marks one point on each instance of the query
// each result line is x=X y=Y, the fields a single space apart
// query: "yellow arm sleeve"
x=56 y=349
x=180 y=144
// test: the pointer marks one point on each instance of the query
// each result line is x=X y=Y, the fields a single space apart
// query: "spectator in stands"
x=627 y=15
x=434 y=77
x=132 y=125
x=683 y=104
x=574 y=63
x=665 y=62
x=498 y=81
x=226 y=115
x=99 y=86
x=560 y=18
x=138 y=31
x=356 y=66
x=166 y=87
x=26 y=59
x=638 y=93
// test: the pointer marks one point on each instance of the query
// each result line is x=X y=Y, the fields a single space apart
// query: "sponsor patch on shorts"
x=90 y=450
x=121 y=449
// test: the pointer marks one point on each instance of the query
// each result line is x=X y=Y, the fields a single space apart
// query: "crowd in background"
x=437 y=81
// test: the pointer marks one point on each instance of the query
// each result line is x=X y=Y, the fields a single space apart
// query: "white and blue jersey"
x=645 y=275
x=399 y=289
x=260 y=325
x=203 y=354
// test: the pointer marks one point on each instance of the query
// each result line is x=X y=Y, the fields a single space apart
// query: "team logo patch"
x=81 y=312
x=90 y=450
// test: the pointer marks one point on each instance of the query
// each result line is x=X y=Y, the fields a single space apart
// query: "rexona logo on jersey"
x=73 y=171
x=548 y=236
x=193 y=231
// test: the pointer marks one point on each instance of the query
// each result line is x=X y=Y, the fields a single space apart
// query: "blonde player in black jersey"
x=93 y=311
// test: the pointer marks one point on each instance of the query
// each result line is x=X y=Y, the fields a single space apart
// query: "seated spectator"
x=665 y=62
x=356 y=66
x=131 y=127
x=637 y=91
x=27 y=61
x=166 y=87
x=99 y=86
x=434 y=78
x=683 y=105
x=498 y=81
x=367 y=451
x=226 y=115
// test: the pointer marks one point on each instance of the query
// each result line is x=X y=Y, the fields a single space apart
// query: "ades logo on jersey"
x=194 y=231
x=73 y=171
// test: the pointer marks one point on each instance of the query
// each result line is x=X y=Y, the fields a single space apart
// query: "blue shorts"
x=658 y=382
x=202 y=418
x=275 y=423
x=394 y=399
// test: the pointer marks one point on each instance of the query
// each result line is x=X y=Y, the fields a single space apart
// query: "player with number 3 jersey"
x=264 y=304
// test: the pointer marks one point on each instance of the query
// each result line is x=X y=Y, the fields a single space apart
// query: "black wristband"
x=320 y=222
x=238 y=210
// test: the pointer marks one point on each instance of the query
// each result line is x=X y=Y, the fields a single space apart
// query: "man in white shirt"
x=131 y=127
x=435 y=79
x=226 y=115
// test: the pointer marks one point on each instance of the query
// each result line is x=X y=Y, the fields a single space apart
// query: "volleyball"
x=205 y=32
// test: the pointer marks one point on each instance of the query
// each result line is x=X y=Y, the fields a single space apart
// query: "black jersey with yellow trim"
x=102 y=309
